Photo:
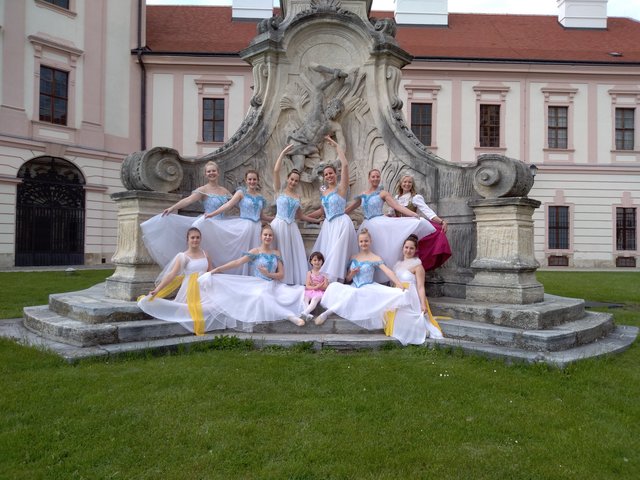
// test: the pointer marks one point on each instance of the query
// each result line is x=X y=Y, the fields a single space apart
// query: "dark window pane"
x=53 y=96
x=213 y=120
x=625 y=128
x=626 y=228
x=558 y=228
x=489 y=125
x=421 y=122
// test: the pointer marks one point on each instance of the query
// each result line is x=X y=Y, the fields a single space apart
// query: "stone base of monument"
x=556 y=331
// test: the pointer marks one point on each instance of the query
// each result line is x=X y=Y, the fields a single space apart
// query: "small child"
x=315 y=285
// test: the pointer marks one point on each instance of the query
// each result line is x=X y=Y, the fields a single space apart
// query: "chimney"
x=422 y=12
x=582 y=13
x=251 y=9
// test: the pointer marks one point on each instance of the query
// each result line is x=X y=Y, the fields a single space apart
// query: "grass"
x=233 y=412
x=22 y=289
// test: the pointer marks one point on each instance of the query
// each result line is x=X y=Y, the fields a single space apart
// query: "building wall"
x=91 y=41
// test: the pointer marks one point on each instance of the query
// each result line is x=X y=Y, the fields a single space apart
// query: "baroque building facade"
x=80 y=92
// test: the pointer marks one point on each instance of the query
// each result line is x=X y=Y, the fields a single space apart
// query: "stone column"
x=135 y=269
x=505 y=265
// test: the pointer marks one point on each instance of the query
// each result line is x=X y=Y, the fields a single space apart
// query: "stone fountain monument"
x=325 y=68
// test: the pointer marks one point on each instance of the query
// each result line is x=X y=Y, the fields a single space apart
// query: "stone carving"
x=499 y=176
x=320 y=120
x=156 y=169
x=387 y=26
x=260 y=77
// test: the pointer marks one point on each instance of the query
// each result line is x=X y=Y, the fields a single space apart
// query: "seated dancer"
x=337 y=238
x=433 y=250
x=287 y=234
x=186 y=309
x=248 y=300
x=411 y=324
x=364 y=302
x=163 y=235
x=389 y=233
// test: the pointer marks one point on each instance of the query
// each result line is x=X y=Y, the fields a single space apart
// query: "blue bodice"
x=251 y=206
x=213 y=202
x=286 y=208
x=372 y=204
x=365 y=274
x=333 y=205
x=267 y=260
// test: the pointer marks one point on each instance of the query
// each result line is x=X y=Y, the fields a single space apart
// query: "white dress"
x=363 y=302
x=410 y=326
x=337 y=240
x=179 y=310
x=245 y=301
x=389 y=233
x=289 y=241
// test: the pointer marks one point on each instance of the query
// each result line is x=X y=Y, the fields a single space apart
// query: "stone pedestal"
x=505 y=265
x=135 y=269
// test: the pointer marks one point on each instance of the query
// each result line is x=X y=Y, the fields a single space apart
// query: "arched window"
x=50 y=213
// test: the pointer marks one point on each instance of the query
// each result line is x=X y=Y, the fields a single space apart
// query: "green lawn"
x=401 y=413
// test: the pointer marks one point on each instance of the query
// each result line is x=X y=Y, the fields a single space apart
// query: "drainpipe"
x=143 y=82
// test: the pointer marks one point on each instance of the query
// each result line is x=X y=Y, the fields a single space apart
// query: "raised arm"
x=276 y=168
x=194 y=197
x=223 y=208
x=393 y=203
x=343 y=187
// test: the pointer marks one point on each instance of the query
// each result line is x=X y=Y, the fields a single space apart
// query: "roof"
x=211 y=30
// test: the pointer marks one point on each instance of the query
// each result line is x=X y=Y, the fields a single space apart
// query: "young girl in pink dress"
x=315 y=285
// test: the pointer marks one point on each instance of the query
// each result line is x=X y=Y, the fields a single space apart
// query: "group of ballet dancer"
x=267 y=276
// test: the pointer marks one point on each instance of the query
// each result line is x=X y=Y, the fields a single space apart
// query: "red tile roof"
x=192 y=29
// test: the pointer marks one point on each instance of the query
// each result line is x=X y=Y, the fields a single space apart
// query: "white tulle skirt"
x=410 y=325
x=388 y=235
x=166 y=236
x=364 y=306
x=247 y=301
x=289 y=241
x=337 y=241
x=226 y=239
x=177 y=310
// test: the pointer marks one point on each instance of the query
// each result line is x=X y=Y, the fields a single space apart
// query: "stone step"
x=592 y=326
x=617 y=341
x=551 y=312
x=92 y=306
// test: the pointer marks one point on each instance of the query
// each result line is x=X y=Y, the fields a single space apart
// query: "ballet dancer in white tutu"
x=389 y=232
x=412 y=323
x=287 y=234
x=262 y=297
x=364 y=302
x=187 y=307
x=164 y=234
x=337 y=237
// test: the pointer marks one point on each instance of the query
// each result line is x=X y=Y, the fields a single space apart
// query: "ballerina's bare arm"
x=233 y=201
x=232 y=264
x=392 y=276
x=420 y=274
x=168 y=277
x=194 y=197
x=276 y=168
x=343 y=187
x=353 y=205
x=278 y=274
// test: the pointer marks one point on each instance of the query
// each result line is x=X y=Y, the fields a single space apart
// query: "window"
x=53 y=95
x=558 y=228
x=59 y=3
x=213 y=119
x=489 y=125
x=421 y=118
x=625 y=131
x=558 y=127
x=625 y=228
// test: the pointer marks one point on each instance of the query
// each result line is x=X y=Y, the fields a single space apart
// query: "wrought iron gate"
x=49 y=213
